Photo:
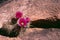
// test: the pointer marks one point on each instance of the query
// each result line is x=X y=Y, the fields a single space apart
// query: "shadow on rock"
x=43 y=23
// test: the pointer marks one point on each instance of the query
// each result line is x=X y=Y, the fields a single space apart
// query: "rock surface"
x=35 y=9
x=37 y=34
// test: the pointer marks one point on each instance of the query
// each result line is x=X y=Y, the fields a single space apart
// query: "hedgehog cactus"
x=17 y=26
x=22 y=22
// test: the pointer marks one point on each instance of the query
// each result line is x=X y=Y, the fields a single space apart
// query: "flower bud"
x=19 y=14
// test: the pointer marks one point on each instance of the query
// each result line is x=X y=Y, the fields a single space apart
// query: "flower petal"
x=19 y=14
x=22 y=22
x=27 y=19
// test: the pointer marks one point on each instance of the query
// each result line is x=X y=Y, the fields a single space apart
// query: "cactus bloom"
x=27 y=19
x=19 y=14
x=22 y=22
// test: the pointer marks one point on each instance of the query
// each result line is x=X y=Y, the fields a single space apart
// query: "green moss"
x=3 y=32
x=13 y=33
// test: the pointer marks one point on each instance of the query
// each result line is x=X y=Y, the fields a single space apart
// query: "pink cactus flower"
x=22 y=22
x=19 y=14
x=27 y=19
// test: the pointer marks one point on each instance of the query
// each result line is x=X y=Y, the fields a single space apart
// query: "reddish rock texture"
x=34 y=9
x=37 y=34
